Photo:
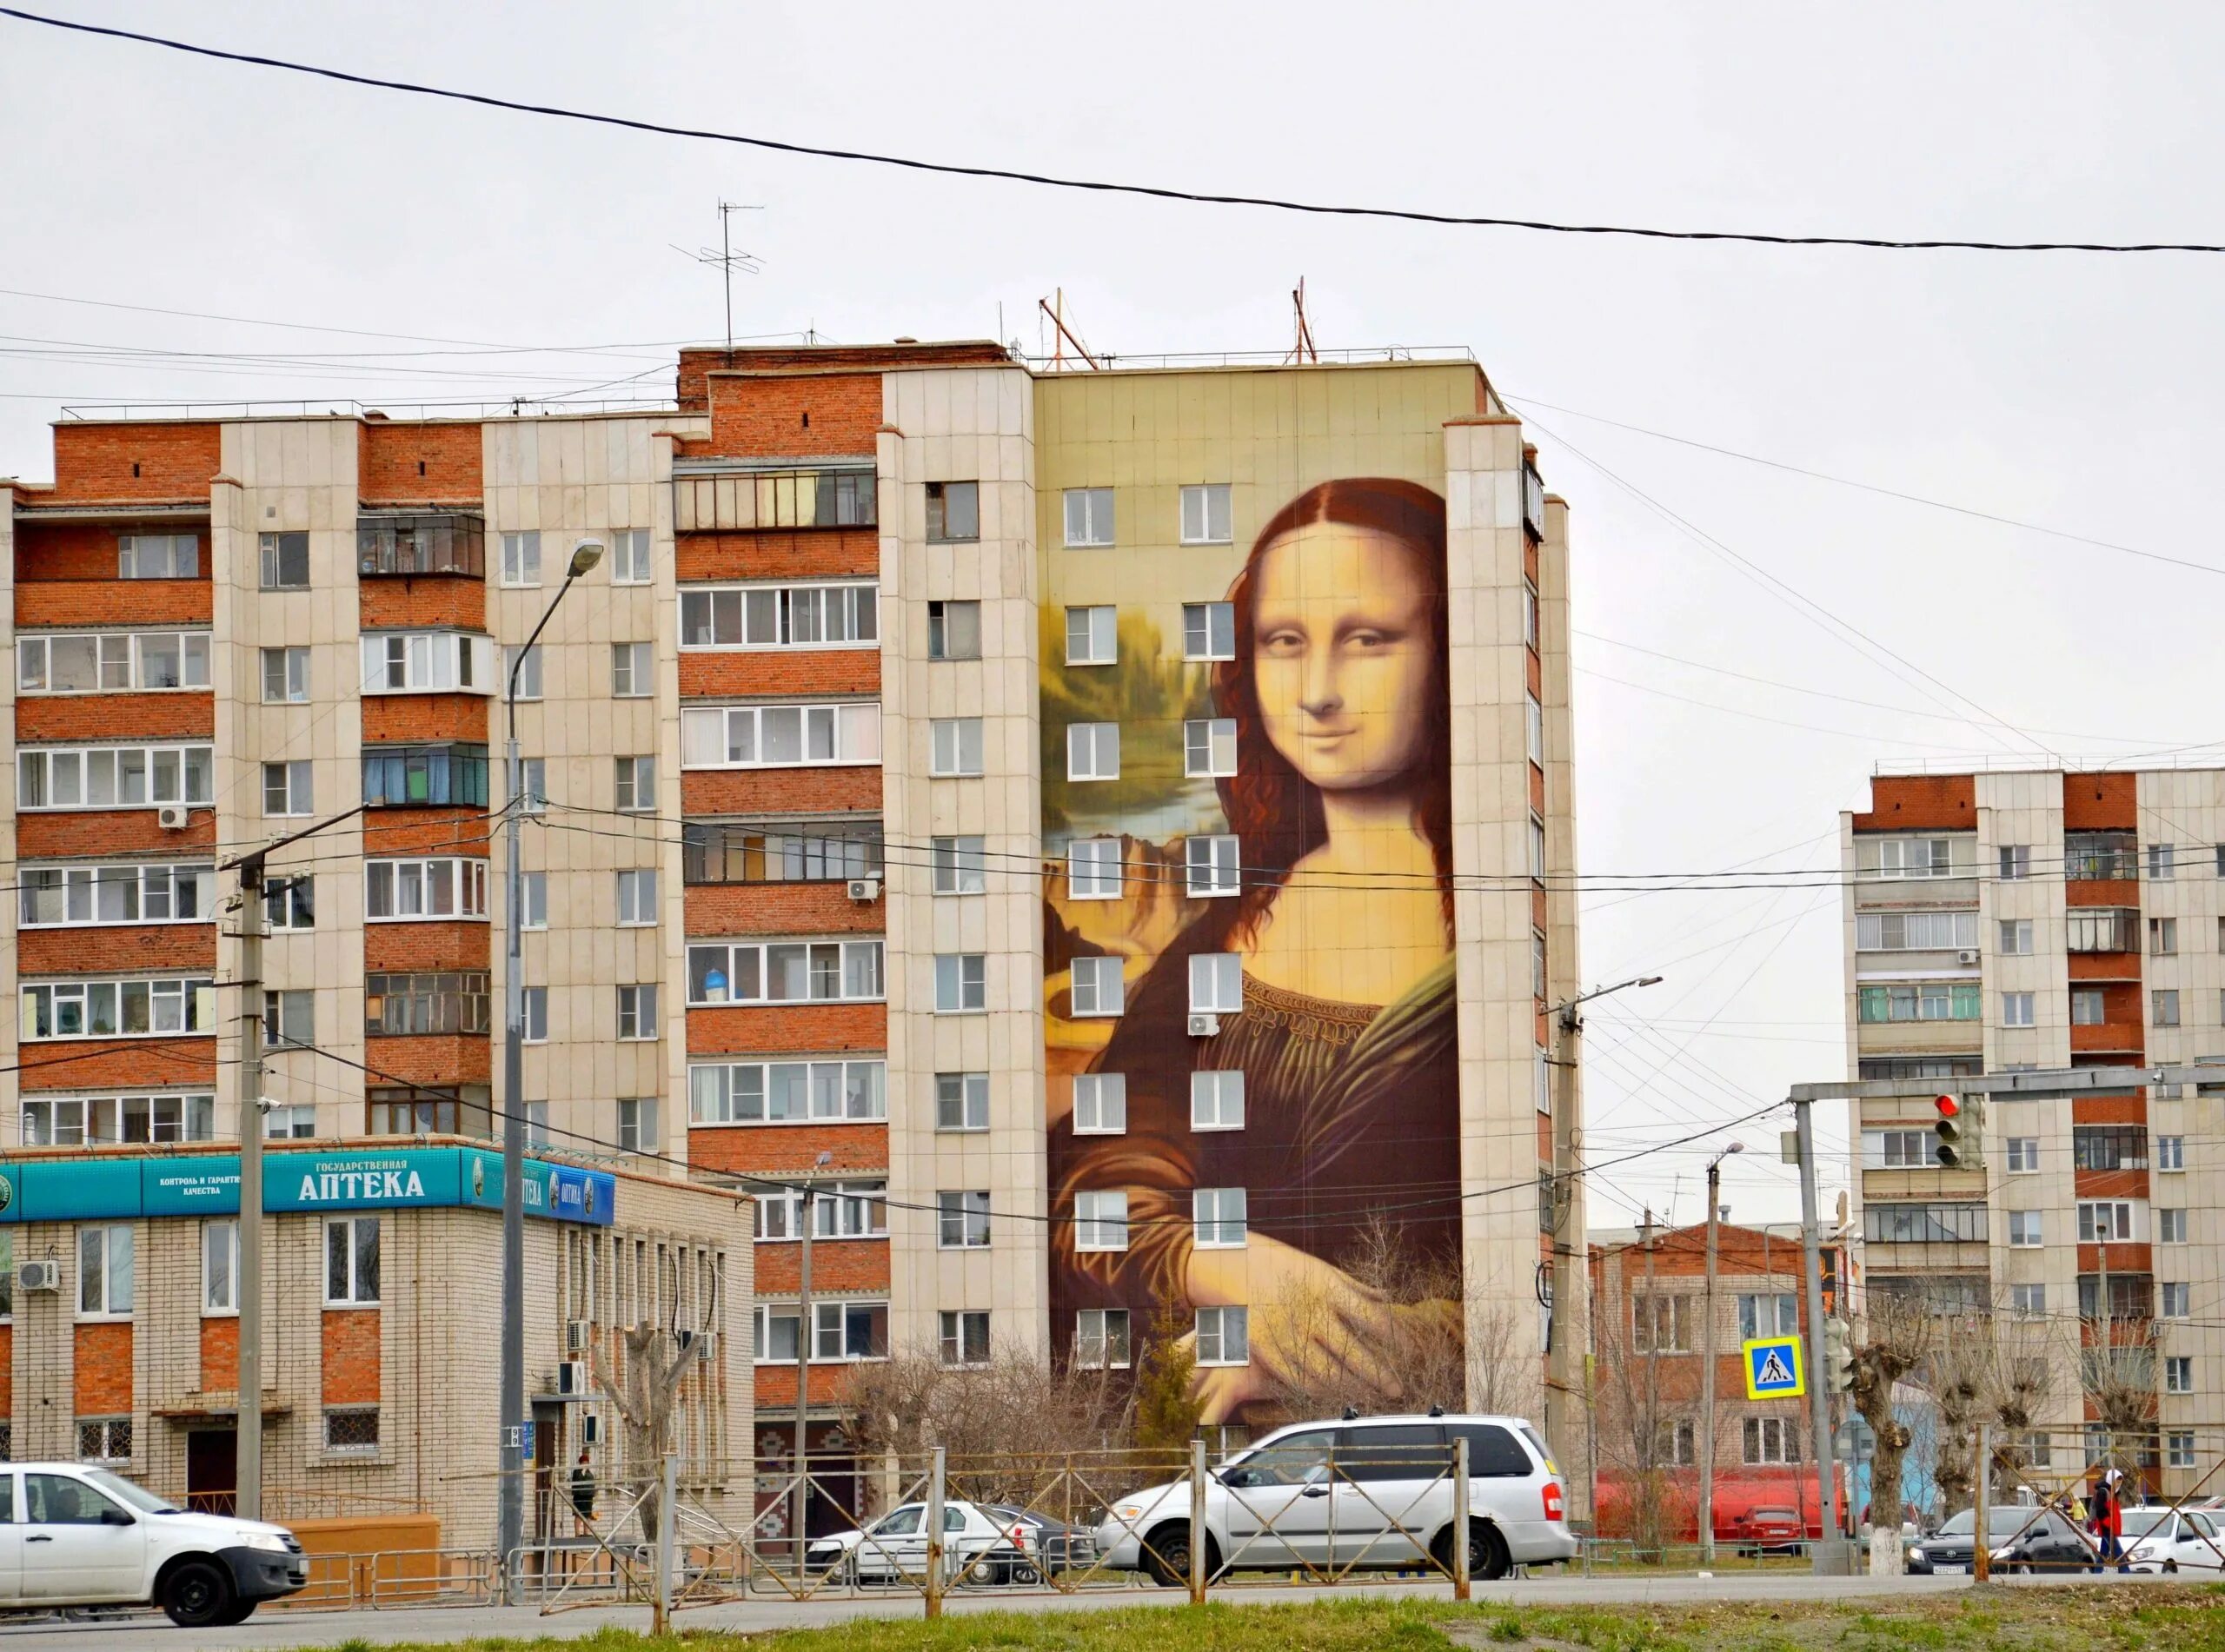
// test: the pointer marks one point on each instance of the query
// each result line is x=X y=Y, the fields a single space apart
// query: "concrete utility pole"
x=800 y=1502
x=1830 y=1557
x=1707 y=1368
x=510 y=1490
x=247 y=1267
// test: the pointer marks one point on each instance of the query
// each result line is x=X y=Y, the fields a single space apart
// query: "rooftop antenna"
x=1063 y=335
x=1302 y=348
x=726 y=261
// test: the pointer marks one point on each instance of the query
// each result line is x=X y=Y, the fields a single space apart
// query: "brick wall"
x=455 y=601
x=427 y=831
x=2101 y=802
x=1921 y=803
x=776 y=1384
x=57 y=717
x=457 y=945
x=220 y=1354
x=100 y=1384
x=112 y=601
x=780 y=1028
x=170 y=1062
x=800 y=672
x=389 y=719
x=782 y=909
x=836 y=1264
x=824 y=414
x=412 y=463
x=122 y=948
x=47 y=552
x=351 y=1356
x=172 y=463
x=780 y=791
x=430 y=1060
x=775 y=1150
x=814 y=553
x=110 y=832
x=697 y=365
x=7 y=1371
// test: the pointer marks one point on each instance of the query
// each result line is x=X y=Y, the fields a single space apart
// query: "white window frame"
x=957 y=747
x=1098 y=987
x=1199 y=503
x=941 y=616
x=2027 y=1229
x=2124 y=1219
x=961 y=1103
x=1093 y=869
x=353 y=1227
x=1216 y=983
x=1219 y=1219
x=2014 y=937
x=532 y=1015
x=2018 y=1009
x=959 y=865
x=637 y=1124
x=115 y=653
x=466 y=880
x=1223 y=1335
x=632 y=557
x=960 y=977
x=2170 y=1153
x=955 y=1327
x=521 y=560
x=1770 y=1441
x=117 y=1245
x=1212 y=865
x=1208 y=631
x=2173 y=1299
x=78 y=1121
x=808 y=1091
x=2027 y=1298
x=2171 y=1226
x=1209 y=748
x=1093 y=1328
x=1087 y=517
x=439 y=662
x=190 y=1001
x=220 y=1269
x=1101 y=1220
x=1533 y=729
x=1216 y=1099
x=1100 y=1103
x=849 y=730
x=637 y=897
x=81 y=888
x=52 y=763
x=633 y=785
x=2178 y=1374
x=2023 y=1155
x=1096 y=627
x=962 y=1219
x=293 y=783
x=749 y=964
x=1092 y=752
x=770 y=617
x=632 y=670
x=637 y=1005
x=534 y=891
x=289 y=904
x=158 y=556
x=2014 y=861
x=2164 y=1006
x=522 y=667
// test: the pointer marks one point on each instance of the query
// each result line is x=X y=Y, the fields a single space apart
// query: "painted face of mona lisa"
x=1341 y=647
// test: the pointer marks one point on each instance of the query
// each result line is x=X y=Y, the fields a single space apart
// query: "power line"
x=1098 y=186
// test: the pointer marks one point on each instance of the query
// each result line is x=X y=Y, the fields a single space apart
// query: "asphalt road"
x=278 y=1629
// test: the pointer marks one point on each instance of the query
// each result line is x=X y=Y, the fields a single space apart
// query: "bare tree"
x=1894 y=1335
x=644 y=1405
x=1643 y=1431
x=2117 y=1351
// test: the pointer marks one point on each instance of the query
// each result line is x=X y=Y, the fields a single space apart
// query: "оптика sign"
x=361 y=1179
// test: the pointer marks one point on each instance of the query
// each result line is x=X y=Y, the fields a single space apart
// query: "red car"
x=1769 y=1531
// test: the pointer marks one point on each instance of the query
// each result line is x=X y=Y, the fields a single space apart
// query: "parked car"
x=893 y=1549
x=83 y=1536
x=2049 y=1541
x=2163 y=1540
x=1059 y=1547
x=1770 y=1531
x=1948 y=1550
x=1375 y=1492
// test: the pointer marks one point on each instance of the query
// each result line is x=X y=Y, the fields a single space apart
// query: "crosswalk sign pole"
x=1829 y=1557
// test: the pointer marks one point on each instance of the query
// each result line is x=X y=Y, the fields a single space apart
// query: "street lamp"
x=1707 y=1367
x=1558 y=1366
x=510 y=1496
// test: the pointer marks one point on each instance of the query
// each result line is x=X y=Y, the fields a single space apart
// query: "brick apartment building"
x=1649 y=1345
x=2000 y=921
x=1093 y=828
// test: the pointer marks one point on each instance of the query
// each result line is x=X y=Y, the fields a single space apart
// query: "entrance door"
x=546 y=1419
x=212 y=1470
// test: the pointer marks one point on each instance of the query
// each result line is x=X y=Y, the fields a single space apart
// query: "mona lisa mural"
x=1254 y=1067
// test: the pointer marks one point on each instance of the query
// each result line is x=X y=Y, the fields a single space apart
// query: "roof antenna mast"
x=1301 y=349
x=726 y=260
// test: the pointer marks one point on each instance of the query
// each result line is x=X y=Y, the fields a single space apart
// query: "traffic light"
x=1957 y=1132
x=1838 y=1356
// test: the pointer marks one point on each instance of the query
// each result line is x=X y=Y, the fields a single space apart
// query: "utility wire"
x=1097 y=186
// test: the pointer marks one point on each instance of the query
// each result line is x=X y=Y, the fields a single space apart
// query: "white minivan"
x=74 y=1536
x=1362 y=1492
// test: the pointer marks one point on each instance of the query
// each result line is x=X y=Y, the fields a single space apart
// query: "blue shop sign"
x=192 y=1185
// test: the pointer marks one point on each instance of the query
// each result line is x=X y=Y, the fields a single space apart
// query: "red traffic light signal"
x=1950 y=1150
x=1947 y=1106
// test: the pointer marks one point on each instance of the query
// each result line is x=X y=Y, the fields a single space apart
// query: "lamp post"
x=1558 y=1368
x=510 y=1497
x=1707 y=1368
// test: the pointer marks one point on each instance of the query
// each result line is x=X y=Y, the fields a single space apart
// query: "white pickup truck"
x=74 y=1536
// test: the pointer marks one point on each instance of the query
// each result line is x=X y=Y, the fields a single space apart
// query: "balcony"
x=748 y=501
x=2104 y=929
x=425 y=542
x=2098 y=856
x=424 y=776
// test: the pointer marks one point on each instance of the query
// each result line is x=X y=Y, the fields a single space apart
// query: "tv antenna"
x=1302 y=350
x=726 y=260
x=1062 y=336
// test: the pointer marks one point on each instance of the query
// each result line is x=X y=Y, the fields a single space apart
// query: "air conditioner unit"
x=710 y=1345
x=1204 y=1026
x=686 y=1339
x=863 y=889
x=576 y=1336
x=1968 y=955
x=173 y=817
x=573 y=1381
x=38 y=1275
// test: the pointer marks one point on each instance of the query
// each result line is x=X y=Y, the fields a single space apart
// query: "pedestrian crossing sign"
x=1773 y=1369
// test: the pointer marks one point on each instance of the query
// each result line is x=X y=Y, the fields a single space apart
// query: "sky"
x=1751 y=642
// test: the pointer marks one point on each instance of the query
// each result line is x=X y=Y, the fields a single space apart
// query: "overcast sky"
x=1718 y=723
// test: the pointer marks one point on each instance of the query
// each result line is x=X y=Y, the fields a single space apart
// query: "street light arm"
x=1566 y=1007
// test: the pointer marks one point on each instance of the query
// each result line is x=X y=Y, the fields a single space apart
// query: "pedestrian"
x=2107 y=1513
x=583 y=1494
